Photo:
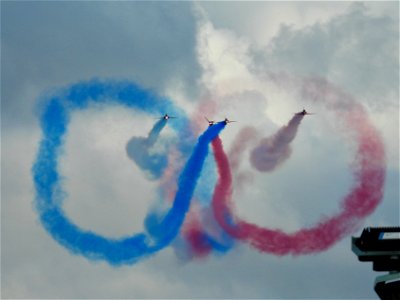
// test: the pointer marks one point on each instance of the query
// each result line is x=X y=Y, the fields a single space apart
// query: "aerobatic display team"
x=214 y=226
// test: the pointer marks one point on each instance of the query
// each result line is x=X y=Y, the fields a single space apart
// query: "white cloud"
x=261 y=21
x=35 y=266
x=100 y=178
x=105 y=188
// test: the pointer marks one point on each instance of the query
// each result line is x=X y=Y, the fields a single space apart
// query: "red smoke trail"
x=366 y=194
x=193 y=232
x=274 y=150
x=221 y=201
x=200 y=228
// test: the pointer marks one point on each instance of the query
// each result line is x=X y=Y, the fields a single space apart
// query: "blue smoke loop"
x=161 y=230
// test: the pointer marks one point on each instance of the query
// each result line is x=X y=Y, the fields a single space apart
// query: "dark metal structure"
x=381 y=246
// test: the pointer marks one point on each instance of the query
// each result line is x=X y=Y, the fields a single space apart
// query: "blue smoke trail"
x=220 y=246
x=138 y=149
x=47 y=181
x=164 y=228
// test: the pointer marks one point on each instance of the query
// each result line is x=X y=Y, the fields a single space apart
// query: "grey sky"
x=47 y=44
x=190 y=52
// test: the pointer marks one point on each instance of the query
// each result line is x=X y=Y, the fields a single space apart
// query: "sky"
x=245 y=61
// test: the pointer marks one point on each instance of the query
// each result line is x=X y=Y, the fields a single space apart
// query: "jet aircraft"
x=227 y=121
x=166 y=117
x=210 y=123
x=303 y=113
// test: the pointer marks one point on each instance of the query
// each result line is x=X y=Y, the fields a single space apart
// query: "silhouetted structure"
x=381 y=246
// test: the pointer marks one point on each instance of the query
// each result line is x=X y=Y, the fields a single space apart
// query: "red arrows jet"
x=166 y=117
x=227 y=121
x=210 y=123
x=303 y=113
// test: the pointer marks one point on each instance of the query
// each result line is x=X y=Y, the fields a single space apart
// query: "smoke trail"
x=204 y=235
x=201 y=234
x=202 y=243
x=221 y=201
x=139 y=150
x=273 y=151
x=164 y=228
x=202 y=238
x=366 y=194
x=47 y=181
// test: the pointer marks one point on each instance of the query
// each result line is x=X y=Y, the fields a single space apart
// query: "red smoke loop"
x=364 y=197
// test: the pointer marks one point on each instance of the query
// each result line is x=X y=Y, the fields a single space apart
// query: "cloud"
x=356 y=50
x=164 y=46
x=261 y=21
x=298 y=51
x=45 y=45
